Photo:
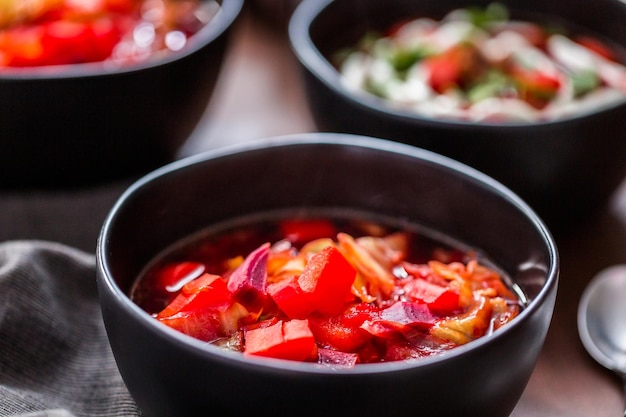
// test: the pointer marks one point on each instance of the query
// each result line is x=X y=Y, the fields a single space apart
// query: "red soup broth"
x=328 y=289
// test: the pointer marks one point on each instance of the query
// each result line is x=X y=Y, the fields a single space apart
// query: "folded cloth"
x=55 y=358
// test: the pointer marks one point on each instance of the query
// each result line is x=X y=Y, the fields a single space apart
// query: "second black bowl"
x=565 y=168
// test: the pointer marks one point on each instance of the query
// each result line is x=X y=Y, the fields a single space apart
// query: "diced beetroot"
x=410 y=314
x=249 y=281
x=403 y=318
x=329 y=277
x=397 y=351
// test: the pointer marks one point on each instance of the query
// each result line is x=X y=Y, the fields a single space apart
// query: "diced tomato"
x=303 y=231
x=290 y=340
x=535 y=87
x=597 y=46
x=447 y=69
x=444 y=72
x=329 y=277
x=439 y=299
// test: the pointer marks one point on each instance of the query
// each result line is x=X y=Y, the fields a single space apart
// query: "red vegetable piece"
x=174 y=276
x=410 y=314
x=290 y=298
x=403 y=317
x=21 y=46
x=207 y=292
x=199 y=309
x=441 y=300
x=335 y=358
x=303 y=231
x=536 y=87
x=344 y=332
x=597 y=46
x=106 y=34
x=290 y=340
x=66 y=42
x=251 y=275
x=329 y=277
x=121 y=6
x=445 y=69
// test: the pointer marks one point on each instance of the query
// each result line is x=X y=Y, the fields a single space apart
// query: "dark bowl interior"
x=85 y=124
x=170 y=374
x=565 y=169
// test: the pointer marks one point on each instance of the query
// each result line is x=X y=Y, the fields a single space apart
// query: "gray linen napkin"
x=55 y=359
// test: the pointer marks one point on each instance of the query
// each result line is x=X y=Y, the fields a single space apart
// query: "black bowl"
x=87 y=123
x=171 y=374
x=565 y=169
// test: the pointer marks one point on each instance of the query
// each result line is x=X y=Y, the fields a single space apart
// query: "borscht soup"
x=334 y=287
x=35 y=33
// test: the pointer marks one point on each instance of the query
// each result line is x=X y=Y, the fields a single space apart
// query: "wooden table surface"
x=260 y=94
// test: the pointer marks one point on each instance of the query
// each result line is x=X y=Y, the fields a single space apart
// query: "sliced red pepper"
x=329 y=277
x=439 y=299
x=291 y=299
x=290 y=340
x=304 y=231
x=205 y=293
x=200 y=309
x=344 y=332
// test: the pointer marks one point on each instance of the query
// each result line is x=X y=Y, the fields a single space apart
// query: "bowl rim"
x=314 y=62
x=204 y=350
x=226 y=16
